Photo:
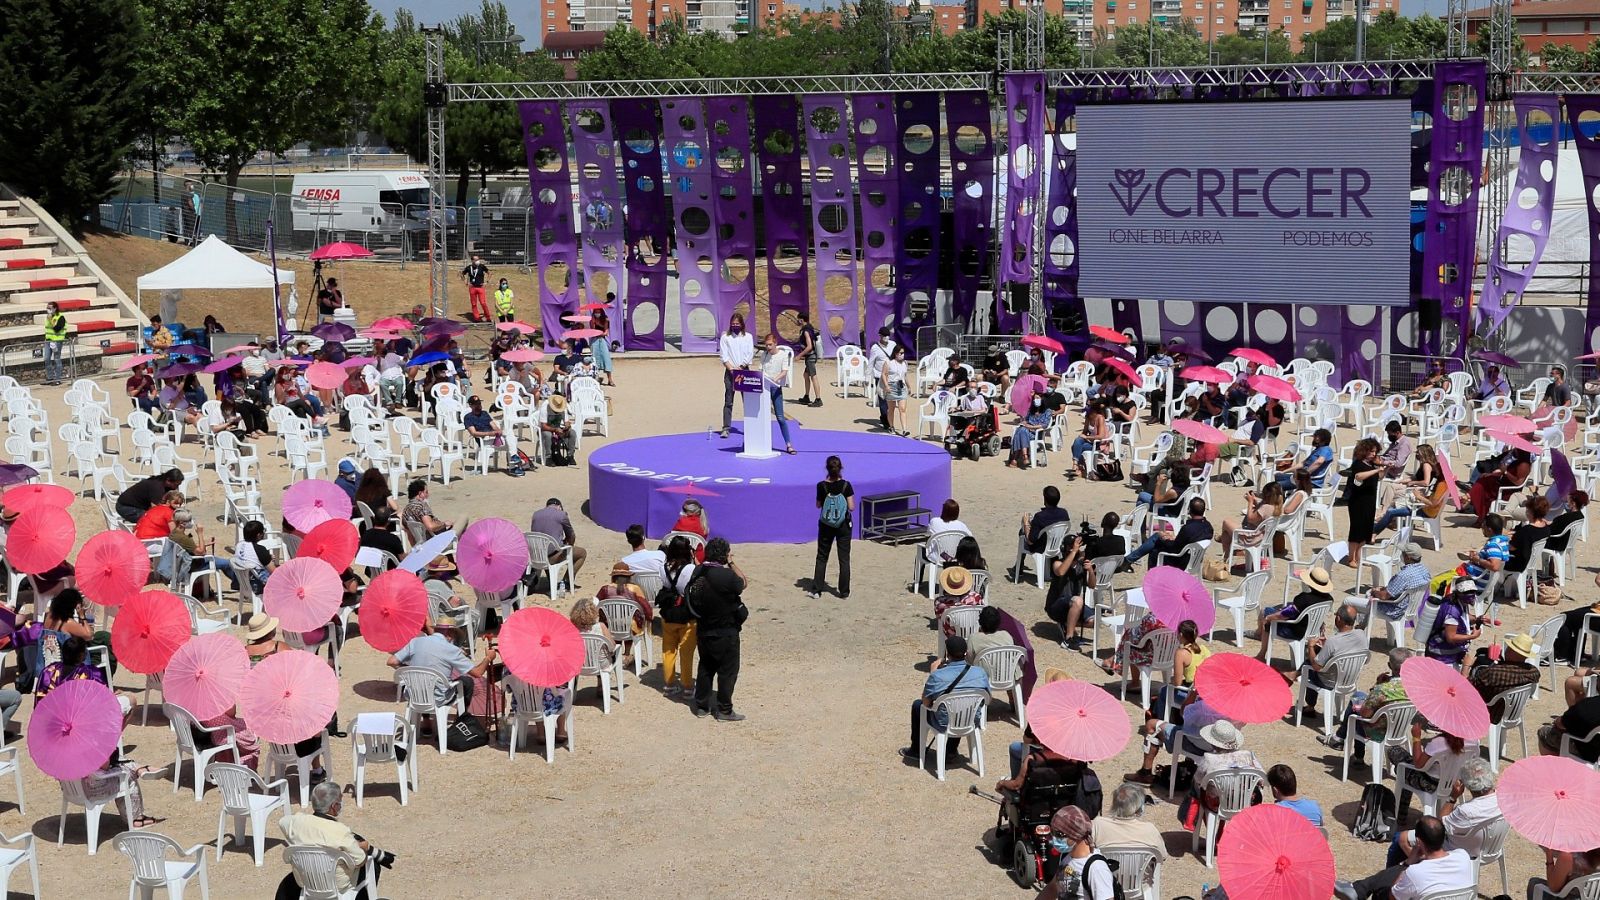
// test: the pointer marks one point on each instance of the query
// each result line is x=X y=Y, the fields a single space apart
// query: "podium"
x=757 y=414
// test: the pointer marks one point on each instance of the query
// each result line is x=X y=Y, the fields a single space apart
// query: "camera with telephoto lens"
x=1087 y=531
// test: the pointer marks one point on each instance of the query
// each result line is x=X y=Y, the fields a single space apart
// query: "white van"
x=374 y=208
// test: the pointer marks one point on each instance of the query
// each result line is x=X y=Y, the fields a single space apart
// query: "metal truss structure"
x=1555 y=83
x=888 y=82
x=434 y=101
x=1244 y=76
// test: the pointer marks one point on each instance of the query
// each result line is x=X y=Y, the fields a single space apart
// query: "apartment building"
x=1564 y=23
x=1215 y=18
x=729 y=16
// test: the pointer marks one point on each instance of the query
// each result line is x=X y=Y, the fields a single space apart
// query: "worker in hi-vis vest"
x=55 y=339
x=505 y=303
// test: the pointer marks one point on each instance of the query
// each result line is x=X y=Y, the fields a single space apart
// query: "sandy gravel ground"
x=806 y=798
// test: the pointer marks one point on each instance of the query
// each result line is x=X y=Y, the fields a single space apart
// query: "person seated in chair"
x=1318 y=590
x=1194 y=530
x=953 y=673
x=1045 y=777
x=1429 y=867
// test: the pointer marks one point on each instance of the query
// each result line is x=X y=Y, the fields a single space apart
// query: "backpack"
x=1071 y=886
x=1375 y=814
x=1089 y=797
x=466 y=733
x=1110 y=470
x=835 y=509
x=670 y=602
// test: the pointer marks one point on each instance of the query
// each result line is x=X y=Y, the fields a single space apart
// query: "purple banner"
x=1271 y=330
x=1525 y=227
x=783 y=212
x=694 y=221
x=555 y=244
x=880 y=202
x=1025 y=137
x=833 y=228
x=916 y=261
x=1455 y=171
x=1067 y=319
x=729 y=133
x=645 y=229
x=972 y=162
x=600 y=205
x=1359 y=336
x=1318 y=331
x=1587 y=140
x=1180 y=320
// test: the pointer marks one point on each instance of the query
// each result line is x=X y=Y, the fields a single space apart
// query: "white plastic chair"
x=852 y=369
x=1396 y=720
x=1514 y=703
x=1396 y=628
x=933 y=416
x=602 y=661
x=1003 y=665
x=964 y=711
x=1244 y=598
x=25 y=851
x=316 y=870
x=419 y=687
x=962 y=621
x=1234 y=789
x=10 y=766
x=366 y=749
x=1163 y=646
x=249 y=800
x=529 y=702
x=1138 y=871
x=618 y=613
x=152 y=869
x=541 y=548
x=589 y=405
x=1313 y=619
x=1544 y=637
x=279 y=758
x=76 y=793
x=184 y=725
x=1054 y=537
x=925 y=573
x=1341 y=673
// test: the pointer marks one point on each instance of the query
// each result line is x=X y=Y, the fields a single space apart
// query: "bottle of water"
x=709 y=429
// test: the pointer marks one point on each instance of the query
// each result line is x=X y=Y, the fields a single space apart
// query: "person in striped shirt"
x=1479 y=565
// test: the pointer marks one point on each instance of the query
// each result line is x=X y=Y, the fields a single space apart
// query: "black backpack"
x=670 y=602
x=1072 y=885
x=1089 y=797
x=1375 y=815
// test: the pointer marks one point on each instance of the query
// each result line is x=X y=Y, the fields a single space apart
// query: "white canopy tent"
x=212 y=265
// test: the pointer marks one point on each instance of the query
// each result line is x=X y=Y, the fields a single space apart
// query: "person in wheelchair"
x=1044 y=782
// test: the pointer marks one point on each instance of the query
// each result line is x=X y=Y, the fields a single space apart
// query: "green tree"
x=1388 y=36
x=1563 y=59
x=70 y=108
x=260 y=75
x=628 y=55
x=1174 y=45
x=1519 y=50
x=1253 y=47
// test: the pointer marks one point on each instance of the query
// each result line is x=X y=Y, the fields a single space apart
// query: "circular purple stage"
x=646 y=480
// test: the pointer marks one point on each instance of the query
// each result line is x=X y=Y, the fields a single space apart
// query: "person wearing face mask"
x=775 y=369
x=877 y=358
x=738 y=350
x=505 y=302
x=893 y=391
x=1072 y=836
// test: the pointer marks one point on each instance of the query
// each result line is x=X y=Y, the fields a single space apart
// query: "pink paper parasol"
x=1243 y=688
x=74 y=729
x=357 y=362
x=325 y=375
x=1276 y=388
x=304 y=594
x=1271 y=852
x=1121 y=366
x=39 y=539
x=1552 y=801
x=1108 y=334
x=1447 y=699
x=1022 y=391
x=1042 y=342
x=148 y=629
x=1200 y=431
x=341 y=250
x=1451 y=489
x=591 y=307
x=111 y=567
x=222 y=364
x=1507 y=423
x=518 y=326
x=541 y=646
x=522 y=355
x=688 y=490
x=24 y=497
x=577 y=318
x=289 y=696
x=205 y=674
x=307 y=504
x=392 y=323
x=1079 y=720
x=581 y=333
x=1516 y=442
x=492 y=554
x=1250 y=354
x=1174 y=595
x=335 y=542
x=1207 y=374
x=393 y=610
x=133 y=362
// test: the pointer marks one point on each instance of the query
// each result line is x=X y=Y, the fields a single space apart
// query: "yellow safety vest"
x=503 y=302
x=55 y=327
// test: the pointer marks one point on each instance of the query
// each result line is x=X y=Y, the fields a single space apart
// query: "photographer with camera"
x=322 y=828
x=1073 y=572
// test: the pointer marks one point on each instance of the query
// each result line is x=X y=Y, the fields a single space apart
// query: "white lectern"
x=757 y=414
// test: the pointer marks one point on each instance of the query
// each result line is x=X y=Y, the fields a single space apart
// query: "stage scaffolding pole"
x=434 y=98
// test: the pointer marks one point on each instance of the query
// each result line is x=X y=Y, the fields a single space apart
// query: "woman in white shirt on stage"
x=738 y=350
x=775 y=369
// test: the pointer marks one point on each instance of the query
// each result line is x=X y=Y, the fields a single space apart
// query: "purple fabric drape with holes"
x=917 y=254
x=729 y=134
x=1359 y=343
x=833 y=228
x=880 y=198
x=600 y=205
x=1126 y=319
x=783 y=206
x=972 y=178
x=1062 y=303
x=1271 y=330
x=1180 y=320
x=555 y=243
x=683 y=129
x=1404 y=330
x=644 y=224
x=1588 y=146
x=1318 y=331
x=1455 y=158
x=1527 y=215
x=1024 y=139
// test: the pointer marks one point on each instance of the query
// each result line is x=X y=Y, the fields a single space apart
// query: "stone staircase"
x=41 y=262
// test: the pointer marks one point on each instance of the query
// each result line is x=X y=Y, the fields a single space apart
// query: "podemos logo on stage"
x=622 y=468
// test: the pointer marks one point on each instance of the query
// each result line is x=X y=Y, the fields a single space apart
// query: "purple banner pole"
x=729 y=134
x=694 y=221
x=783 y=212
x=833 y=233
x=972 y=160
x=1527 y=215
x=644 y=223
x=600 y=205
x=880 y=201
x=1025 y=135
x=555 y=245
x=1455 y=171
x=1061 y=298
x=1587 y=140
x=916 y=261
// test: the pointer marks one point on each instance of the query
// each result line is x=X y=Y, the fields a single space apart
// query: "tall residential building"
x=647 y=16
x=1564 y=23
x=1215 y=18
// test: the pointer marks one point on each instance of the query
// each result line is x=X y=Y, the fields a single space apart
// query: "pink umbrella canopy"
x=335 y=542
x=1174 y=595
x=541 y=646
x=304 y=594
x=392 y=323
x=577 y=319
x=492 y=554
x=1200 y=431
x=1507 y=423
x=325 y=375
x=1126 y=370
x=289 y=696
x=222 y=364
x=111 y=567
x=1276 y=388
x=591 y=307
x=1516 y=442
x=1022 y=391
x=518 y=326
x=133 y=362
x=1079 y=720
x=148 y=629
x=1449 y=478
x=39 y=539
x=1105 y=333
x=309 y=503
x=582 y=333
x=24 y=497
x=341 y=250
x=1552 y=801
x=1271 y=852
x=1250 y=354
x=1042 y=342
x=74 y=729
x=393 y=610
x=1243 y=688
x=522 y=355
x=205 y=674
x=1207 y=374
x=1447 y=699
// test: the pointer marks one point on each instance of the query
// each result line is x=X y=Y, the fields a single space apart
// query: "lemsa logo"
x=324 y=194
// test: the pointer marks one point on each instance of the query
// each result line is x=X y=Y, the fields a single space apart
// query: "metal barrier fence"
x=1402 y=373
x=972 y=348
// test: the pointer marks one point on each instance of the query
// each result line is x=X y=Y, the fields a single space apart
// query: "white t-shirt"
x=937 y=525
x=1452 y=871
x=647 y=561
x=1097 y=884
x=895 y=371
x=1464 y=823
